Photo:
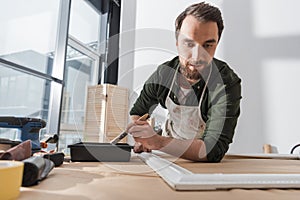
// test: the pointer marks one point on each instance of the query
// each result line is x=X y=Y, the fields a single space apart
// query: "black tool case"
x=103 y=152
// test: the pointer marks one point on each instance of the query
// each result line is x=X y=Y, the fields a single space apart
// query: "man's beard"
x=192 y=74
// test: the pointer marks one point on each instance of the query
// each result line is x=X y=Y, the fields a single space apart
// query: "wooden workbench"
x=135 y=180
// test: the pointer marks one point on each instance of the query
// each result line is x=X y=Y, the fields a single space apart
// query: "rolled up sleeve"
x=222 y=115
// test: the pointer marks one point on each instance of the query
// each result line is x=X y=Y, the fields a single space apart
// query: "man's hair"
x=203 y=12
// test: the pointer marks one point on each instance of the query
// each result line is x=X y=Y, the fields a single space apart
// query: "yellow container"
x=11 y=174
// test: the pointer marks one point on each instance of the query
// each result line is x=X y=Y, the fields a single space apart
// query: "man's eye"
x=189 y=44
x=206 y=46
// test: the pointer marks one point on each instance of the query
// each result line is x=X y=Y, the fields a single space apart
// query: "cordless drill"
x=29 y=127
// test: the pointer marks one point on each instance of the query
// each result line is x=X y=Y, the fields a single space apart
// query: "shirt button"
x=198 y=87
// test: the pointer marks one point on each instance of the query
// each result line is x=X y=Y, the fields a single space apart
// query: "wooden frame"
x=180 y=178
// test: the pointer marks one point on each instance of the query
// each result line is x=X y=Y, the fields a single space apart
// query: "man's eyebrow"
x=207 y=41
x=211 y=41
x=188 y=40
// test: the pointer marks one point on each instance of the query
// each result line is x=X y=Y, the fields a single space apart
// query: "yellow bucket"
x=11 y=174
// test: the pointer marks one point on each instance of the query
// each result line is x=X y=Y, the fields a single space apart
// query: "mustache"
x=199 y=62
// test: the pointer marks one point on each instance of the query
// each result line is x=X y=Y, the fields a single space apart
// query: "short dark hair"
x=203 y=12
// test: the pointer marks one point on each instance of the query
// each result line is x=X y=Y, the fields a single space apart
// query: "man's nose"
x=197 y=53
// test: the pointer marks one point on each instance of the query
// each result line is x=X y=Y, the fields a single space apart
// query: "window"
x=44 y=69
x=27 y=51
x=80 y=71
x=85 y=23
x=28 y=33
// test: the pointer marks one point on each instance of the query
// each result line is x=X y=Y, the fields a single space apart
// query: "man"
x=201 y=93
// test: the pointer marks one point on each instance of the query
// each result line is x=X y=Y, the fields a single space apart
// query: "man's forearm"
x=188 y=149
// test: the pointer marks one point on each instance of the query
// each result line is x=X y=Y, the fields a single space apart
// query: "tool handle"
x=118 y=138
x=144 y=117
x=124 y=134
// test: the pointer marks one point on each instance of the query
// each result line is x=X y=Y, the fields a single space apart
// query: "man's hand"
x=147 y=139
x=144 y=135
x=139 y=148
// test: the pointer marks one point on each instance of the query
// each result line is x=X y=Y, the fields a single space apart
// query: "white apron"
x=184 y=122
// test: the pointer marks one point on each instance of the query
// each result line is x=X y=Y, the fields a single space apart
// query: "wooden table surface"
x=135 y=180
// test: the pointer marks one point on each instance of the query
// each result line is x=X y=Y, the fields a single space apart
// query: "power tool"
x=29 y=127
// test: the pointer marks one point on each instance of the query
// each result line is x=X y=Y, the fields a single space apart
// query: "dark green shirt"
x=220 y=107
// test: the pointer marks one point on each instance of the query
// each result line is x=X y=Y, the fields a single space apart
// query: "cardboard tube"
x=267 y=148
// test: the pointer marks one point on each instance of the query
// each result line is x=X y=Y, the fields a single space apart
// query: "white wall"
x=261 y=42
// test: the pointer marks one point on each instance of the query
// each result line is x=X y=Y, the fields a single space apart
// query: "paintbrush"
x=124 y=134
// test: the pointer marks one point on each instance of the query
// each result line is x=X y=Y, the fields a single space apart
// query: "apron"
x=184 y=122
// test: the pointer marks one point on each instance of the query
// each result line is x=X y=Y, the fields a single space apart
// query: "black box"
x=103 y=152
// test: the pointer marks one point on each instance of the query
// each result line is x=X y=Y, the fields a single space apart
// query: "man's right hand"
x=138 y=147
